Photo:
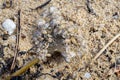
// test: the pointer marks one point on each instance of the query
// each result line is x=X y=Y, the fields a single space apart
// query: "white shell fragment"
x=53 y=9
x=87 y=75
x=9 y=26
x=41 y=23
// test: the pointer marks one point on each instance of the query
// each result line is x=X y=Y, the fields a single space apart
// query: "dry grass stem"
x=23 y=69
x=110 y=42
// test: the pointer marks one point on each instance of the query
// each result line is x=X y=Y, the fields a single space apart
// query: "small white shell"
x=9 y=26
x=87 y=75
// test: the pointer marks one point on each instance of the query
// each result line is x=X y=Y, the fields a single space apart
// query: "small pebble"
x=47 y=25
x=50 y=40
x=44 y=31
x=9 y=26
x=73 y=40
x=72 y=54
x=12 y=38
x=87 y=75
x=40 y=23
x=53 y=9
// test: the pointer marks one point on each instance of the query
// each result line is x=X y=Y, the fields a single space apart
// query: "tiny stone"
x=44 y=31
x=9 y=26
x=46 y=25
x=36 y=42
x=40 y=22
x=12 y=38
x=72 y=54
x=23 y=36
x=87 y=75
x=70 y=29
x=38 y=50
x=53 y=9
x=34 y=39
x=48 y=55
x=50 y=40
x=73 y=40
x=37 y=33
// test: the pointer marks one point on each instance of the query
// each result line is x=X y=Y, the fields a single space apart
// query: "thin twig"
x=17 y=42
x=44 y=4
x=110 y=42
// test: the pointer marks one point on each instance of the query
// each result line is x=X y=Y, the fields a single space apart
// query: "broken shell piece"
x=9 y=26
x=87 y=75
x=41 y=23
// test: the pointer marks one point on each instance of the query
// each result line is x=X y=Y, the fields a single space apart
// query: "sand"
x=86 y=26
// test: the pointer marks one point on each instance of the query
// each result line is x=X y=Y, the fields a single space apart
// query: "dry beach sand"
x=65 y=35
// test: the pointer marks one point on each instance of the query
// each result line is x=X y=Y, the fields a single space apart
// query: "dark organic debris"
x=23 y=36
x=5 y=36
x=5 y=68
x=16 y=78
x=21 y=52
x=1 y=51
x=56 y=56
x=89 y=7
x=59 y=74
x=7 y=4
x=116 y=15
x=2 y=68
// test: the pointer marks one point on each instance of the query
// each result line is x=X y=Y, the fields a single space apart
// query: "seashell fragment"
x=9 y=26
